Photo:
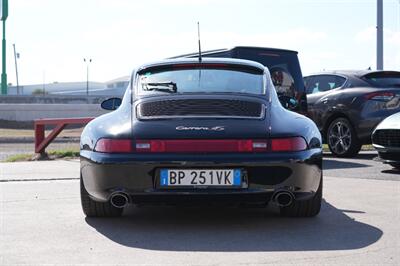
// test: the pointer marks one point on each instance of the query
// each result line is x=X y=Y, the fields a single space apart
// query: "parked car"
x=386 y=139
x=348 y=105
x=283 y=65
x=200 y=132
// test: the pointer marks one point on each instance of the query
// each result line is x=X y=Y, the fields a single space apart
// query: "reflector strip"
x=200 y=146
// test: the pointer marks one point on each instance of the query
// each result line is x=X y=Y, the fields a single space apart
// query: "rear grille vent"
x=200 y=108
x=387 y=137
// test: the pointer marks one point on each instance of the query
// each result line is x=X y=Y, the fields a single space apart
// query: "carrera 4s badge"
x=216 y=128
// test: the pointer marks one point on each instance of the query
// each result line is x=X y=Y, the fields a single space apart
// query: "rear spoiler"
x=381 y=74
x=196 y=54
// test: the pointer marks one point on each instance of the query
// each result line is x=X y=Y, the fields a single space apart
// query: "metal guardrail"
x=42 y=141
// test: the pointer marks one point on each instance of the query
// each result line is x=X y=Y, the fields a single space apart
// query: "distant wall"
x=30 y=112
x=20 y=111
x=51 y=99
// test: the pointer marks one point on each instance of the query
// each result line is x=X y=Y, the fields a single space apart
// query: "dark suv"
x=348 y=105
x=284 y=68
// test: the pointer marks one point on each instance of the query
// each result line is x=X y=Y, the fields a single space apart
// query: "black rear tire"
x=342 y=138
x=304 y=208
x=93 y=208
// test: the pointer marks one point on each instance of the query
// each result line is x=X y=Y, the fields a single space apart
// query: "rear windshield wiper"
x=167 y=86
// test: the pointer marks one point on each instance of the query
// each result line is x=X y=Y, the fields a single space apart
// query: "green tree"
x=39 y=92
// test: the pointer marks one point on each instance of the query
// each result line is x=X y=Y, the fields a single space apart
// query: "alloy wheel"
x=339 y=137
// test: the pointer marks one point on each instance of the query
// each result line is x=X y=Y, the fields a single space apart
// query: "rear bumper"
x=388 y=155
x=136 y=175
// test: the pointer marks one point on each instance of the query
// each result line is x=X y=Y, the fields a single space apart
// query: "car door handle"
x=324 y=101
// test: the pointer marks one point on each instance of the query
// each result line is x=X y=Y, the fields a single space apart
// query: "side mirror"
x=111 y=104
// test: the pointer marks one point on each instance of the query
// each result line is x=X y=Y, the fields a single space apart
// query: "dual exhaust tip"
x=119 y=199
x=283 y=198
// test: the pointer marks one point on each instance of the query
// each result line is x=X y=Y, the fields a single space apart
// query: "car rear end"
x=376 y=102
x=208 y=147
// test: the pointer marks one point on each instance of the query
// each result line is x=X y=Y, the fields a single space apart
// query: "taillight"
x=201 y=65
x=380 y=96
x=288 y=144
x=204 y=146
x=201 y=146
x=114 y=145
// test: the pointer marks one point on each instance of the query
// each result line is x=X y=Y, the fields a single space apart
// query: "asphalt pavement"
x=42 y=223
x=364 y=166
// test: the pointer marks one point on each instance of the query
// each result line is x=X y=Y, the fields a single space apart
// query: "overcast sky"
x=53 y=36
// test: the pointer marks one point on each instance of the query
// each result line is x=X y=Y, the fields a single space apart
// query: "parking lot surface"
x=42 y=223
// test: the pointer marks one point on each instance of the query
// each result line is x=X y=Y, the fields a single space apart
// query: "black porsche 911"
x=386 y=140
x=200 y=132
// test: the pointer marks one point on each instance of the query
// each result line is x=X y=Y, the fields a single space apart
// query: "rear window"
x=285 y=72
x=283 y=66
x=383 y=79
x=201 y=79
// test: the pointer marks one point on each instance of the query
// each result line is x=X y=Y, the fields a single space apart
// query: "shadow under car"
x=235 y=229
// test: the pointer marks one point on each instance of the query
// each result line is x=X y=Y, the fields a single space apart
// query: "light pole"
x=16 y=56
x=399 y=16
x=44 y=82
x=379 y=35
x=4 y=15
x=87 y=61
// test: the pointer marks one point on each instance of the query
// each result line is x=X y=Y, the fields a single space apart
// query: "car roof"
x=229 y=61
x=354 y=73
x=234 y=48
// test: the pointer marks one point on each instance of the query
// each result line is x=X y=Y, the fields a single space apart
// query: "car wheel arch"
x=331 y=118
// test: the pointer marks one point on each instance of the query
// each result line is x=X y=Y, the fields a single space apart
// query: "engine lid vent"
x=184 y=108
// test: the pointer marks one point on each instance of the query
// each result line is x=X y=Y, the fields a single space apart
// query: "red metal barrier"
x=41 y=141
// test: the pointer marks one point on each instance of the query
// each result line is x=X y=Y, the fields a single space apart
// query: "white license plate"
x=200 y=177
